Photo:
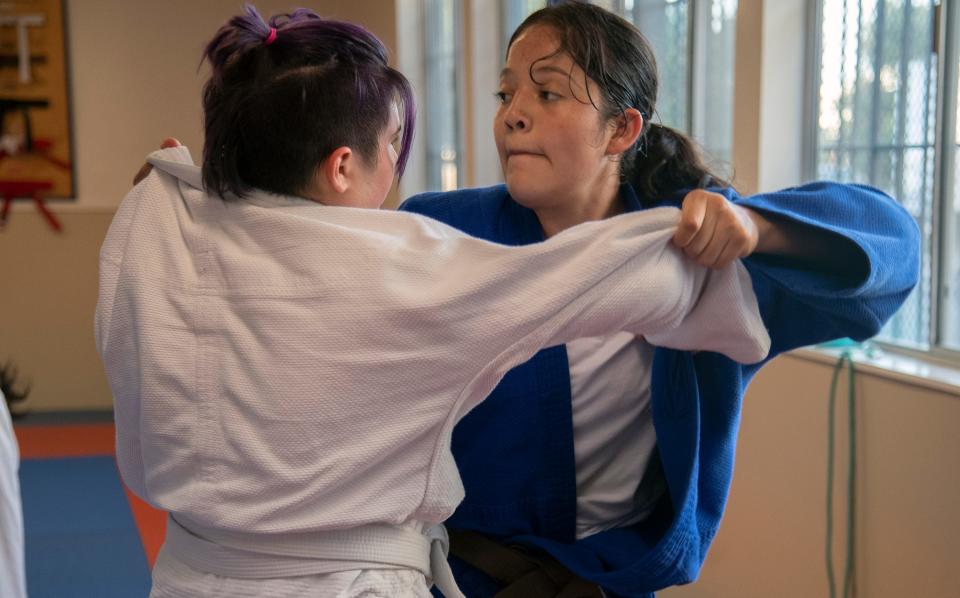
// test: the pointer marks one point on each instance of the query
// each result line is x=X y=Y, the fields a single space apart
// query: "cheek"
x=386 y=177
x=580 y=150
x=498 y=132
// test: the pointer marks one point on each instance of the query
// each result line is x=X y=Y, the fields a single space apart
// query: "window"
x=442 y=85
x=880 y=65
x=514 y=12
x=693 y=41
x=666 y=25
x=459 y=48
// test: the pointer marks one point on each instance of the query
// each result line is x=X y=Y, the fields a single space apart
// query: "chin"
x=530 y=195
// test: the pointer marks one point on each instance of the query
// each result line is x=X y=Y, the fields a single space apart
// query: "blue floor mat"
x=81 y=538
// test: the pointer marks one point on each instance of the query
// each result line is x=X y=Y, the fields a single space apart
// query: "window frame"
x=946 y=45
x=429 y=126
x=411 y=59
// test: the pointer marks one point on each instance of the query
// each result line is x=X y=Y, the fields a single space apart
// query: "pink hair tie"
x=272 y=37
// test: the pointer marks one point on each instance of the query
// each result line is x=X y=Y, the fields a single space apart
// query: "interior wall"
x=134 y=81
x=136 y=78
x=772 y=539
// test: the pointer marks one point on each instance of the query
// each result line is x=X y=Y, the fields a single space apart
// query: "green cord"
x=849 y=574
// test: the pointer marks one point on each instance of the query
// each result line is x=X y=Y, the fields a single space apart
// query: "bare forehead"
x=537 y=47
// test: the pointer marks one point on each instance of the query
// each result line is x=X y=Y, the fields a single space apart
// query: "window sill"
x=905 y=369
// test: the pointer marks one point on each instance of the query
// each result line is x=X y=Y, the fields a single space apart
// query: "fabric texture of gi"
x=515 y=450
x=280 y=368
x=13 y=579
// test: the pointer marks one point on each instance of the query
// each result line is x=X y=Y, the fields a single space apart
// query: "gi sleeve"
x=802 y=306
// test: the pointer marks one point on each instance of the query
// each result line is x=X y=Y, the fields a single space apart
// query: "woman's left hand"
x=713 y=231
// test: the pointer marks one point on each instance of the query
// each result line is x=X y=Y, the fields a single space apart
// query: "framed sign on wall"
x=36 y=146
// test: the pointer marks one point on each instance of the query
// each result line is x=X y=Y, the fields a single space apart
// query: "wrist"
x=776 y=236
x=764 y=231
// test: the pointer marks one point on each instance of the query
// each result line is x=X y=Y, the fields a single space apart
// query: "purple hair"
x=277 y=104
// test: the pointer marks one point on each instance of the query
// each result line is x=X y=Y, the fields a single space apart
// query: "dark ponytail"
x=8 y=375
x=617 y=57
x=668 y=161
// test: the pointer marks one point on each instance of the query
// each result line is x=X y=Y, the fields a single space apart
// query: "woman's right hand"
x=714 y=231
x=146 y=168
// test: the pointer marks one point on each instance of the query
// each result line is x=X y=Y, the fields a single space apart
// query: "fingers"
x=712 y=231
x=710 y=256
x=705 y=241
x=146 y=168
x=731 y=252
x=691 y=219
x=697 y=227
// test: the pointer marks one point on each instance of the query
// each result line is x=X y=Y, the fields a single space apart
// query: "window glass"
x=877 y=110
x=441 y=96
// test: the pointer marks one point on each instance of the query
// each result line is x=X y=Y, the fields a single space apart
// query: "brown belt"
x=523 y=574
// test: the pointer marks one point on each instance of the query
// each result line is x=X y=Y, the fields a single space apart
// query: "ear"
x=336 y=171
x=628 y=128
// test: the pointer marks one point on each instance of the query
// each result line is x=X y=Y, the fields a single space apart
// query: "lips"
x=517 y=152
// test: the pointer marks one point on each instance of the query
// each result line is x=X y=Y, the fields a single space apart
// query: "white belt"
x=250 y=556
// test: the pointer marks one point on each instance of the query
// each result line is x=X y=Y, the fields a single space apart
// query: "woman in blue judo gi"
x=613 y=470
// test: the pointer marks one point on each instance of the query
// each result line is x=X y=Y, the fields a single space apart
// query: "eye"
x=548 y=96
x=503 y=97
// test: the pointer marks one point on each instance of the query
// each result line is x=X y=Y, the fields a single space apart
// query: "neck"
x=603 y=202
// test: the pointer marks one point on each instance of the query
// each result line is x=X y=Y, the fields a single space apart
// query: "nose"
x=515 y=117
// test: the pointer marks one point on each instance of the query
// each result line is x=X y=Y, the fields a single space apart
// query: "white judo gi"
x=13 y=580
x=287 y=375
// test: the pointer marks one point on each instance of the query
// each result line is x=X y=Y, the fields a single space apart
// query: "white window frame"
x=411 y=61
x=947 y=35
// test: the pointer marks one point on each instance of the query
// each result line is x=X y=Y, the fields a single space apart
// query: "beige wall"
x=135 y=78
x=772 y=539
x=46 y=308
x=134 y=81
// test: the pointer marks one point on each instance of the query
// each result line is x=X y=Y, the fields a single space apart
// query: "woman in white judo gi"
x=287 y=369
x=13 y=582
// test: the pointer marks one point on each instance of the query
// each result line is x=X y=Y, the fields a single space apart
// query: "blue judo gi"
x=515 y=450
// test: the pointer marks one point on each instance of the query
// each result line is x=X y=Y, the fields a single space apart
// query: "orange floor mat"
x=68 y=440
x=90 y=440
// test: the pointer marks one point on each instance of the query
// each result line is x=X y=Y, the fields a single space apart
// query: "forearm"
x=808 y=245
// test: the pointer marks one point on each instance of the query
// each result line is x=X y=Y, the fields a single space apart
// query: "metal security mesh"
x=878 y=82
x=673 y=27
x=716 y=106
x=513 y=13
x=665 y=24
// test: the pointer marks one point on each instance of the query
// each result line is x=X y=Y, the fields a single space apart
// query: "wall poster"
x=36 y=149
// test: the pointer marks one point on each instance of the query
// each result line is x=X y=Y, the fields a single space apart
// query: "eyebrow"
x=549 y=69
